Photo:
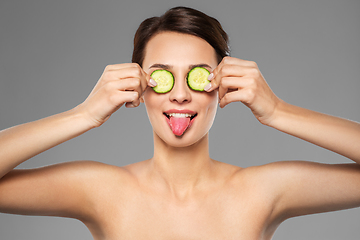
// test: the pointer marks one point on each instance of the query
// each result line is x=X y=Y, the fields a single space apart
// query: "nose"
x=180 y=92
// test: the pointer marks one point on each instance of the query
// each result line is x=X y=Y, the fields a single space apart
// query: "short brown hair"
x=183 y=20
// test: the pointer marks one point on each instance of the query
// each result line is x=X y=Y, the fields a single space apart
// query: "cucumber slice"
x=164 y=80
x=197 y=78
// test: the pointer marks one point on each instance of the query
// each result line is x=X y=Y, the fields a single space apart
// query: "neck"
x=181 y=168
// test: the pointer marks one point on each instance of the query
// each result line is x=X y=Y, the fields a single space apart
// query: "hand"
x=240 y=80
x=119 y=84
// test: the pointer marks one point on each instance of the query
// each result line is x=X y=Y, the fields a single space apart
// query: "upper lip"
x=180 y=111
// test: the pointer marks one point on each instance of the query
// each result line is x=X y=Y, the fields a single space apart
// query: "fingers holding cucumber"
x=239 y=80
x=197 y=78
x=118 y=85
x=164 y=80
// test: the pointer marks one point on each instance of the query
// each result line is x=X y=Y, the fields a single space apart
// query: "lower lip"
x=190 y=124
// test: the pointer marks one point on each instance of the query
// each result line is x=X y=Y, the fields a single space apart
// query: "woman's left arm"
x=240 y=80
x=336 y=134
x=297 y=187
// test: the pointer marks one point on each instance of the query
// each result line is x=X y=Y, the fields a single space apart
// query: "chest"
x=143 y=216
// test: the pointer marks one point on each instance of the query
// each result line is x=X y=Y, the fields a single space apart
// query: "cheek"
x=212 y=101
x=209 y=103
x=148 y=97
x=152 y=103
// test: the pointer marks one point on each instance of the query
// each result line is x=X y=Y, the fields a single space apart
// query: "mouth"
x=180 y=120
x=180 y=115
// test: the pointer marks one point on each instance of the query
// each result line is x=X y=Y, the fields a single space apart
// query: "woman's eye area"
x=164 y=79
x=196 y=78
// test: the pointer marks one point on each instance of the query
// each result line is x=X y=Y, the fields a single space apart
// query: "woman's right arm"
x=119 y=84
x=47 y=189
x=20 y=143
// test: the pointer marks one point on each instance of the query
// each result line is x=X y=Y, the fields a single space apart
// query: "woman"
x=180 y=193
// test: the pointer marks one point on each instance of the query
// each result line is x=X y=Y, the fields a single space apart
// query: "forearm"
x=115 y=88
x=336 y=134
x=19 y=143
x=247 y=85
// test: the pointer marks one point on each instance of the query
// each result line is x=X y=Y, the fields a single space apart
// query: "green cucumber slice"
x=164 y=80
x=197 y=78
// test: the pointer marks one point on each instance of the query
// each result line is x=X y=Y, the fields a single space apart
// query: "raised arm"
x=300 y=187
x=20 y=143
x=119 y=84
x=240 y=80
x=336 y=134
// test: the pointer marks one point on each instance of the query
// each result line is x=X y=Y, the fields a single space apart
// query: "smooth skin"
x=180 y=193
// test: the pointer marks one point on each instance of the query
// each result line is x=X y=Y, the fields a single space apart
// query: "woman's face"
x=179 y=53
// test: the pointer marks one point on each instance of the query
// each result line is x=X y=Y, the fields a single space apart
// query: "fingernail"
x=207 y=87
x=210 y=76
x=152 y=82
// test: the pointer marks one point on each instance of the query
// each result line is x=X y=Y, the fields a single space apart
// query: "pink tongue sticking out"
x=179 y=125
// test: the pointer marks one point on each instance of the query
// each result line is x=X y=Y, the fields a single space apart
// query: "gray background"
x=53 y=52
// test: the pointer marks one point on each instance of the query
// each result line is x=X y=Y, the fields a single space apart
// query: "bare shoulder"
x=301 y=187
x=92 y=171
x=98 y=168
x=296 y=171
x=278 y=171
x=68 y=189
x=91 y=178
x=268 y=181
x=102 y=175
x=276 y=176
